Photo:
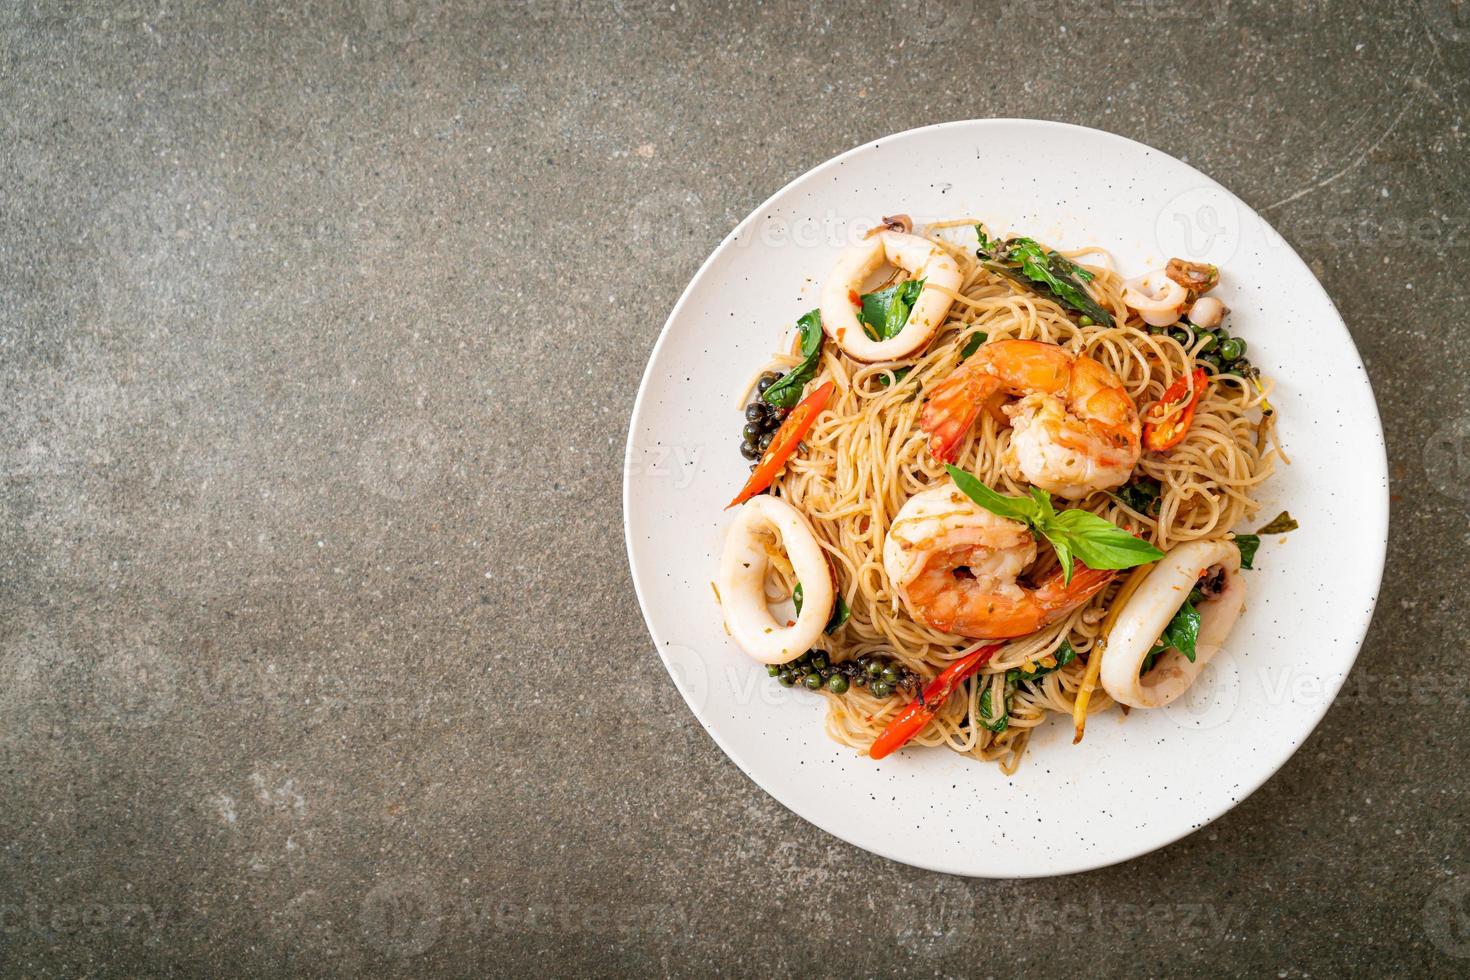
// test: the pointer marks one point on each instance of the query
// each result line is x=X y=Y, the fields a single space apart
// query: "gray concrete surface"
x=320 y=326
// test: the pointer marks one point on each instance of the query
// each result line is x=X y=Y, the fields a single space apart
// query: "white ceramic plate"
x=1135 y=783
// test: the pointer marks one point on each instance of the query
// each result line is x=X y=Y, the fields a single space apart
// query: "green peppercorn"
x=882 y=689
x=764 y=442
x=818 y=659
x=772 y=670
x=1232 y=349
x=837 y=684
x=751 y=432
x=1085 y=320
x=892 y=675
x=874 y=667
x=750 y=450
x=813 y=682
x=786 y=678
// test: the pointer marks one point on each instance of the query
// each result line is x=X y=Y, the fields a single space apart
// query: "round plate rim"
x=1267 y=771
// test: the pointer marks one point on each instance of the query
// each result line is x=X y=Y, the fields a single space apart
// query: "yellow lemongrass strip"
x=1094 y=662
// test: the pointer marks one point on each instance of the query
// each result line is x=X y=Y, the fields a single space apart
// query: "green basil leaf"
x=1100 y=543
x=786 y=392
x=898 y=375
x=1154 y=653
x=840 y=612
x=1074 y=534
x=1142 y=493
x=1066 y=266
x=1064 y=655
x=988 y=245
x=1016 y=508
x=1247 y=543
x=973 y=344
x=885 y=312
x=1044 y=509
x=1059 y=275
x=1062 y=545
x=995 y=725
x=1028 y=263
x=1280 y=524
x=1183 y=630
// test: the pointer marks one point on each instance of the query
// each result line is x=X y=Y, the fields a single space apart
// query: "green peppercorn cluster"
x=815 y=671
x=1224 y=353
x=761 y=421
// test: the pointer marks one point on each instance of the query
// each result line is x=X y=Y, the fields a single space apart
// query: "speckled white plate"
x=1135 y=783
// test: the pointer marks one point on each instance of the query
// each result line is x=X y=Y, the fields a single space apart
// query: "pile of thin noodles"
x=867 y=455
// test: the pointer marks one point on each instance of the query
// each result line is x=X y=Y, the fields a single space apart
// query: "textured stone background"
x=320 y=327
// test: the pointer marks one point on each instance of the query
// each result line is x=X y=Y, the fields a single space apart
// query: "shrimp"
x=956 y=567
x=1149 y=611
x=1076 y=429
x=841 y=294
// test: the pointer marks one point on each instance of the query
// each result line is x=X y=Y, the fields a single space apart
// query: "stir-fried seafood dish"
x=992 y=481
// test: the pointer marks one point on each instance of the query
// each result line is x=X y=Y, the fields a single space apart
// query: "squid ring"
x=1149 y=611
x=841 y=296
x=743 y=576
x=1156 y=297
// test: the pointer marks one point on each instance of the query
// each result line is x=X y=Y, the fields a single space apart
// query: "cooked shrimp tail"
x=951 y=410
x=1056 y=597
